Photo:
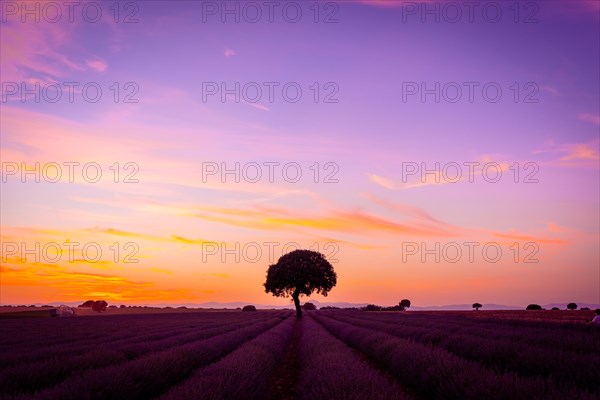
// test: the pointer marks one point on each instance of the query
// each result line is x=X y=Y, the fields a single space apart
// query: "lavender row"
x=500 y=354
x=151 y=375
x=569 y=337
x=331 y=370
x=245 y=373
x=433 y=372
x=38 y=375
x=126 y=334
x=25 y=333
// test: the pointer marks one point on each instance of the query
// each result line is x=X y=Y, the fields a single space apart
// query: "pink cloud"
x=555 y=228
x=593 y=118
x=229 y=53
x=580 y=151
x=97 y=65
x=34 y=47
x=381 y=181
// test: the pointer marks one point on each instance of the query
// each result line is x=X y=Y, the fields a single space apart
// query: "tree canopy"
x=404 y=304
x=300 y=272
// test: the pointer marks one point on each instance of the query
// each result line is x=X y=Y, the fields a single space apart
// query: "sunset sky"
x=530 y=165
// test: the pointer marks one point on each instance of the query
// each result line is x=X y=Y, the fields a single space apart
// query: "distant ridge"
x=236 y=304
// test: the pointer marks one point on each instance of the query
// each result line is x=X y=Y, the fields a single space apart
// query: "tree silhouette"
x=87 y=304
x=477 y=306
x=99 y=306
x=249 y=308
x=404 y=304
x=572 y=306
x=309 y=307
x=300 y=272
x=533 y=307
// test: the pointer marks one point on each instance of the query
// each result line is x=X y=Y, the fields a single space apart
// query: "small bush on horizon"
x=534 y=307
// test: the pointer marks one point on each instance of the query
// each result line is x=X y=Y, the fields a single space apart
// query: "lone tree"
x=477 y=306
x=572 y=306
x=404 y=304
x=300 y=272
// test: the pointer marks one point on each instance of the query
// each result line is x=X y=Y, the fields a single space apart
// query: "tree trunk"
x=296 y=297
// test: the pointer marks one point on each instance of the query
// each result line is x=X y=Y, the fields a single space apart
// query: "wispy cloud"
x=259 y=106
x=529 y=238
x=97 y=65
x=351 y=221
x=555 y=228
x=381 y=181
x=593 y=118
x=580 y=151
x=420 y=178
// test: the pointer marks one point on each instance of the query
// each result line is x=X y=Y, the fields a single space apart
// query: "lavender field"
x=328 y=354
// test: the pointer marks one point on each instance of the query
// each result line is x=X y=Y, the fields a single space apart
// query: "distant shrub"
x=533 y=307
x=477 y=306
x=182 y=308
x=585 y=309
x=249 y=308
x=330 y=308
x=122 y=306
x=372 y=307
x=99 y=306
x=87 y=304
x=555 y=308
x=309 y=307
x=572 y=306
x=113 y=306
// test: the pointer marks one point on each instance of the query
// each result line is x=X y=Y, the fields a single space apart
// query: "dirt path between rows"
x=286 y=376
